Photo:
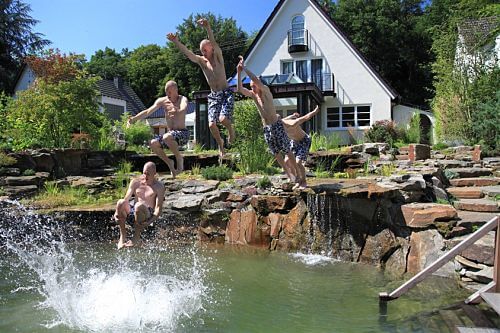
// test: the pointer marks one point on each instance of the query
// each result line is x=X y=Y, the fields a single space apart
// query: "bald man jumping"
x=148 y=193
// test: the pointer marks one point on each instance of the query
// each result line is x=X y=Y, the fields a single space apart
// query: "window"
x=298 y=30
x=348 y=116
x=302 y=70
x=114 y=111
x=287 y=67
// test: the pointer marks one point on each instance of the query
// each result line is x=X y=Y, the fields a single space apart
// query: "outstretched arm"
x=205 y=24
x=144 y=113
x=242 y=90
x=304 y=118
x=187 y=52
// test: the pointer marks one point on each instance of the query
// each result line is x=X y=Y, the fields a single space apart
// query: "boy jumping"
x=300 y=143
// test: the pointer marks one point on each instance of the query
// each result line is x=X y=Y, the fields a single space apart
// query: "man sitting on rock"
x=148 y=193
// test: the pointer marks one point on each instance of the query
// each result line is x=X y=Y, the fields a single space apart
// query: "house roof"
x=477 y=32
x=323 y=12
x=122 y=91
x=160 y=113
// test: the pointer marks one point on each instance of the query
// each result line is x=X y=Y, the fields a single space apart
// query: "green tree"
x=146 y=67
x=63 y=100
x=107 y=63
x=229 y=36
x=16 y=40
x=389 y=34
x=463 y=84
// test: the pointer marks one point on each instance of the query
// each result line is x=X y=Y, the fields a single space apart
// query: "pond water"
x=48 y=284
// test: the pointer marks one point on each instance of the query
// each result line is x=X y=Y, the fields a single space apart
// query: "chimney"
x=118 y=81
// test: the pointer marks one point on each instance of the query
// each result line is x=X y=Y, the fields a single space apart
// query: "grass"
x=387 y=170
x=324 y=142
x=54 y=196
x=263 y=182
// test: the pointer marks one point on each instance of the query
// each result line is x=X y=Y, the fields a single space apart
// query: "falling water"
x=100 y=290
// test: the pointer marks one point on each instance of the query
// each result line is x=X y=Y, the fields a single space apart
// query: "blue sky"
x=84 y=27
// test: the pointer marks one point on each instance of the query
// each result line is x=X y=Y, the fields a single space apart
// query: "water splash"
x=97 y=288
x=313 y=259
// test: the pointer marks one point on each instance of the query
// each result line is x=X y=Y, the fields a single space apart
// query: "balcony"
x=298 y=40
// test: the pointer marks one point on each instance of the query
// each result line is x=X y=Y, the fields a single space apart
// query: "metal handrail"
x=489 y=226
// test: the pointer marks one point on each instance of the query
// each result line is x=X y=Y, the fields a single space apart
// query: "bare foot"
x=180 y=166
x=129 y=244
x=121 y=244
x=221 y=155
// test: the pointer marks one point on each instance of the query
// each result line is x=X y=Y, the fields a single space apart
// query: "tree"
x=146 y=67
x=63 y=100
x=389 y=35
x=230 y=38
x=16 y=40
x=464 y=89
x=107 y=63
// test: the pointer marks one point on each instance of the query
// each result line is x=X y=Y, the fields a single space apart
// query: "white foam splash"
x=110 y=295
x=312 y=259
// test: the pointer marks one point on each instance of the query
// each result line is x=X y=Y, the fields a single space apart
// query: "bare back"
x=265 y=105
x=214 y=72
x=294 y=132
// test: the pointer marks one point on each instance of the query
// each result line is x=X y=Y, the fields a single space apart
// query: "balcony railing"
x=298 y=40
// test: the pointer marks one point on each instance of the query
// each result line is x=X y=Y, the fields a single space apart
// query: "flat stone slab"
x=491 y=191
x=468 y=218
x=483 y=181
x=477 y=205
x=471 y=172
x=466 y=192
x=422 y=215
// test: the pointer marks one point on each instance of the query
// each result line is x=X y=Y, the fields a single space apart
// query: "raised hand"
x=171 y=37
x=241 y=65
x=203 y=22
x=129 y=121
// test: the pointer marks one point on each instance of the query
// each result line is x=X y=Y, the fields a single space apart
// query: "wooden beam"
x=492 y=224
x=476 y=297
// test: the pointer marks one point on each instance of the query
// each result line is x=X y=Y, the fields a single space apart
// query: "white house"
x=478 y=45
x=307 y=60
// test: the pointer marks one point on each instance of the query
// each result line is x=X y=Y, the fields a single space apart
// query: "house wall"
x=26 y=79
x=355 y=82
x=114 y=101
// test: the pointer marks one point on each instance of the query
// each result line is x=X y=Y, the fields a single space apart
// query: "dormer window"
x=297 y=35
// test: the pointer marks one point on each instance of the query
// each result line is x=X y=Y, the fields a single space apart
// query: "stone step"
x=484 y=181
x=491 y=191
x=466 y=192
x=461 y=329
x=471 y=172
x=469 y=219
x=493 y=300
x=477 y=205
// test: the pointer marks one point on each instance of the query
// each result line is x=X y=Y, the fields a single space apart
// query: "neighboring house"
x=478 y=44
x=116 y=96
x=307 y=60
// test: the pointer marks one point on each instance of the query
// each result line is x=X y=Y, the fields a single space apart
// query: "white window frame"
x=303 y=29
x=355 y=106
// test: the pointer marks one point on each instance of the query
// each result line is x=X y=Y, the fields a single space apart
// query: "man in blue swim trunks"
x=175 y=107
x=300 y=142
x=274 y=131
x=149 y=194
x=221 y=99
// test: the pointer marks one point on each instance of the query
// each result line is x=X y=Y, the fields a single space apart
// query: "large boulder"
x=423 y=215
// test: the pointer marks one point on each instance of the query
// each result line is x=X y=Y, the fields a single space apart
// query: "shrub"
x=324 y=142
x=382 y=131
x=263 y=182
x=6 y=160
x=217 y=173
x=138 y=133
x=29 y=172
x=486 y=125
x=253 y=155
